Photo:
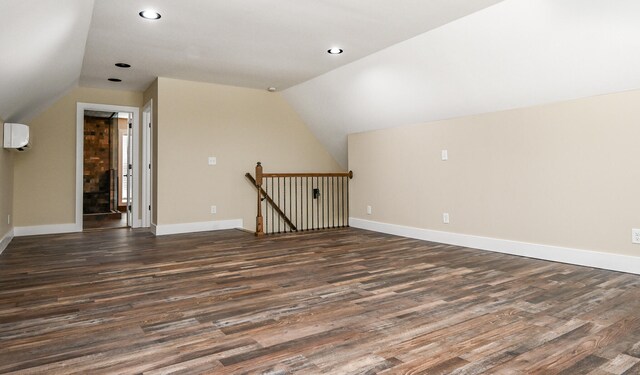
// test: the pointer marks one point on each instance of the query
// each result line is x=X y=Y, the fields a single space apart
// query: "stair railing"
x=297 y=202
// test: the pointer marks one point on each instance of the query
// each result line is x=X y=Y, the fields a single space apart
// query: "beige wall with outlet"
x=6 y=188
x=44 y=176
x=563 y=174
x=239 y=127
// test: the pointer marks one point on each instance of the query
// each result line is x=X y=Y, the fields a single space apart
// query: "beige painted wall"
x=239 y=126
x=564 y=174
x=151 y=93
x=6 y=188
x=44 y=177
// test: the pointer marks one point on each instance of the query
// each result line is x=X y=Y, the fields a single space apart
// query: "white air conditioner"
x=16 y=136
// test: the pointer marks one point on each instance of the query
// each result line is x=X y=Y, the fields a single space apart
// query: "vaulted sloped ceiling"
x=42 y=50
x=250 y=43
x=405 y=62
x=514 y=54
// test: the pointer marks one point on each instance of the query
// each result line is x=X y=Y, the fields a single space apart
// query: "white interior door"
x=146 y=164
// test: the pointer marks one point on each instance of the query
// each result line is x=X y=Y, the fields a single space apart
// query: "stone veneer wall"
x=97 y=164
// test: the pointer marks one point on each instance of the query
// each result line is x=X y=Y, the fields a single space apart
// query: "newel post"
x=259 y=228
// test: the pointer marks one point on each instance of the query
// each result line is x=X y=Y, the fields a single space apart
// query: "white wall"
x=517 y=53
x=239 y=127
x=6 y=194
x=563 y=174
x=45 y=177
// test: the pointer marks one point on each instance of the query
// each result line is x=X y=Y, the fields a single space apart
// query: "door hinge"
x=149 y=207
x=149 y=166
x=130 y=125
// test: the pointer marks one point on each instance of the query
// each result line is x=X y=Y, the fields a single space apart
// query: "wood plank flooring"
x=341 y=302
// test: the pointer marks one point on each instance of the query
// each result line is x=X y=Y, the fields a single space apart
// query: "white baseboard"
x=161 y=230
x=47 y=229
x=5 y=240
x=589 y=258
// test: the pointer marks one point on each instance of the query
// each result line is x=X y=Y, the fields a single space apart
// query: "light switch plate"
x=445 y=155
x=212 y=160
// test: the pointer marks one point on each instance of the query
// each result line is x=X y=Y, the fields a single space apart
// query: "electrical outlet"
x=214 y=209
x=368 y=210
x=635 y=236
x=445 y=218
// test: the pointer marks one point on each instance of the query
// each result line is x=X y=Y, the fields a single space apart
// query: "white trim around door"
x=135 y=138
x=147 y=120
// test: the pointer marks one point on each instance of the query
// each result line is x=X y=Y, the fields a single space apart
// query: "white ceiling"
x=250 y=43
x=42 y=50
x=514 y=54
x=405 y=62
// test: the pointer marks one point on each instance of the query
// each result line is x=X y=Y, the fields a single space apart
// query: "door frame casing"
x=80 y=109
x=147 y=120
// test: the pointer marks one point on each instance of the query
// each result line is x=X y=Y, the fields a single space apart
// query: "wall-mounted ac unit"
x=16 y=136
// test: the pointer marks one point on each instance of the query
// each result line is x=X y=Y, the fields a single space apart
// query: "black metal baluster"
x=333 y=205
x=279 y=203
x=284 y=202
x=347 y=201
x=324 y=195
x=321 y=207
x=341 y=202
x=309 y=207
x=342 y=199
x=325 y=221
x=290 y=204
x=329 y=200
x=322 y=202
x=339 y=188
x=338 y=208
x=266 y=207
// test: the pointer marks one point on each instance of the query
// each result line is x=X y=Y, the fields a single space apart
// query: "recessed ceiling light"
x=150 y=14
x=271 y=89
x=115 y=80
x=123 y=65
x=335 y=51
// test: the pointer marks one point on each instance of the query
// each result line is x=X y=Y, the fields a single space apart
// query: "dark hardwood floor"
x=104 y=221
x=340 y=302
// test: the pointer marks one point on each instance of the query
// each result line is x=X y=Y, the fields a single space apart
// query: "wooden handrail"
x=337 y=174
x=259 y=228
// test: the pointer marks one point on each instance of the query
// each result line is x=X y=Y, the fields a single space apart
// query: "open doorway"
x=107 y=170
x=107 y=167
